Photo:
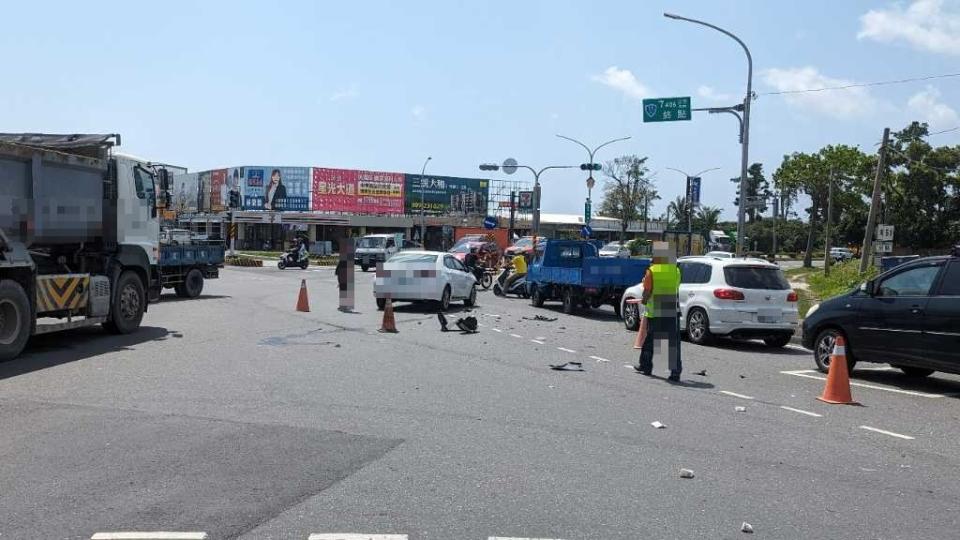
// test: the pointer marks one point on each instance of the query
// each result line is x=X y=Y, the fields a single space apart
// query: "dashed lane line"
x=517 y=538
x=353 y=536
x=809 y=374
x=518 y=336
x=885 y=432
x=149 y=535
x=497 y=330
x=736 y=395
x=801 y=411
x=599 y=359
x=564 y=349
x=537 y=341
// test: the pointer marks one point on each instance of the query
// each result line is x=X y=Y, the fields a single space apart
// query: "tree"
x=757 y=188
x=811 y=173
x=706 y=219
x=627 y=191
x=677 y=214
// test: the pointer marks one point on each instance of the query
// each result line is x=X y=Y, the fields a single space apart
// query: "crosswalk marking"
x=353 y=536
x=149 y=535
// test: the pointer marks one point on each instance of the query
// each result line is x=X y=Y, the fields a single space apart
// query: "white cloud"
x=847 y=103
x=925 y=25
x=624 y=81
x=927 y=107
x=554 y=116
x=418 y=111
x=348 y=93
x=708 y=93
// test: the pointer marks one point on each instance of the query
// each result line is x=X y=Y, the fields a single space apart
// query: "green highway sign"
x=586 y=212
x=666 y=109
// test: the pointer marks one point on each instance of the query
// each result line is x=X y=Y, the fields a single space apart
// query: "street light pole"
x=591 y=153
x=536 y=190
x=689 y=202
x=745 y=131
x=423 y=228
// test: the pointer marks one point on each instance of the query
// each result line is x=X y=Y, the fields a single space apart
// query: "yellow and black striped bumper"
x=64 y=291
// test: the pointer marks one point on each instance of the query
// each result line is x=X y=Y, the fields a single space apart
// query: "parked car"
x=375 y=248
x=839 y=254
x=737 y=298
x=906 y=317
x=413 y=276
x=615 y=249
x=468 y=238
x=524 y=246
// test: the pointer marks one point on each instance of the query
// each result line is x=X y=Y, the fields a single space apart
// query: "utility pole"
x=867 y=250
x=513 y=203
x=826 y=226
x=423 y=227
x=776 y=217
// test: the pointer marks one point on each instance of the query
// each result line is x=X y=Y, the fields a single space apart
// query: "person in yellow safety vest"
x=519 y=270
x=661 y=300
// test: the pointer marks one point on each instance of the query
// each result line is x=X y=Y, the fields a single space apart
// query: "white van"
x=374 y=248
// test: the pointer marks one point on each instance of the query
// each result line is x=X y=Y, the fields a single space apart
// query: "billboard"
x=445 y=195
x=358 y=192
x=276 y=188
x=218 y=191
x=184 y=193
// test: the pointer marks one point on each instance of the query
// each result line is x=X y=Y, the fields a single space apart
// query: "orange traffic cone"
x=389 y=325
x=837 y=389
x=303 y=304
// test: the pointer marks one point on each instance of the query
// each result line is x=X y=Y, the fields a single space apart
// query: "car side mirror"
x=163 y=199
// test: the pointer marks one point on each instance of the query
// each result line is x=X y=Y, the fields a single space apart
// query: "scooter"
x=518 y=287
x=483 y=275
x=297 y=258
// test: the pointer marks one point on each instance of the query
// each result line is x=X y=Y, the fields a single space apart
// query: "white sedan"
x=615 y=249
x=413 y=276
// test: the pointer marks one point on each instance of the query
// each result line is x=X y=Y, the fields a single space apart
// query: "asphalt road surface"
x=235 y=416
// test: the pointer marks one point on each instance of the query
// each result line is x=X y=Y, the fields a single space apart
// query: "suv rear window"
x=755 y=277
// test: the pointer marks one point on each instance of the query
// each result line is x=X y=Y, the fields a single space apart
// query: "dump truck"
x=78 y=236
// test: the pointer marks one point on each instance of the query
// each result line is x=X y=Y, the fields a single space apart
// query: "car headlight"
x=812 y=309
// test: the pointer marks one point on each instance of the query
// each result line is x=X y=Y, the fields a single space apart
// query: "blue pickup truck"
x=183 y=267
x=573 y=272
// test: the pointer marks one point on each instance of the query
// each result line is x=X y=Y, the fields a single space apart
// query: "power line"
x=861 y=85
x=920 y=163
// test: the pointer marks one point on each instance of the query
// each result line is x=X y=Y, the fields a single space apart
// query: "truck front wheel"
x=14 y=319
x=126 y=311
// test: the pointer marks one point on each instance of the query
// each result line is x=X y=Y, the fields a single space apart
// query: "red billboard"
x=335 y=190
x=358 y=192
x=218 y=190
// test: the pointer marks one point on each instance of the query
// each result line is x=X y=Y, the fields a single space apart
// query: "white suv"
x=737 y=298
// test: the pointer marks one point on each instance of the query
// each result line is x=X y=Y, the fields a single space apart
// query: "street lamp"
x=745 y=130
x=423 y=229
x=591 y=166
x=689 y=200
x=511 y=167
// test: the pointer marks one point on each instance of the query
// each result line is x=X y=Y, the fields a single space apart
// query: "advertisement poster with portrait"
x=203 y=193
x=276 y=188
x=184 y=191
x=446 y=195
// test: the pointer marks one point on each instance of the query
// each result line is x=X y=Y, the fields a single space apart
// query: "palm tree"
x=677 y=213
x=706 y=219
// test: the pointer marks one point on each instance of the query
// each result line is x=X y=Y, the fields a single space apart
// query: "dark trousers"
x=663 y=328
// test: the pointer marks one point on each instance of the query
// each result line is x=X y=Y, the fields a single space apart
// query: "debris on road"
x=657 y=424
x=702 y=373
x=540 y=318
x=686 y=473
x=740 y=408
x=573 y=366
x=467 y=325
x=746 y=527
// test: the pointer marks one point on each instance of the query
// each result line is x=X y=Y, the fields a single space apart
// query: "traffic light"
x=489 y=167
x=589 y=166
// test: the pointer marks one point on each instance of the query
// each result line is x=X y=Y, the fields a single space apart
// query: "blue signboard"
x=276 y=188
x=489 y=222
x=586 y=231
x=694 y=194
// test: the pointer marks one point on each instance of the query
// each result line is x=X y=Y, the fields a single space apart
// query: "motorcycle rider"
x=519 y=263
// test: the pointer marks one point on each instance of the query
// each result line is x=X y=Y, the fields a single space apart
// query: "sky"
x=380 y=85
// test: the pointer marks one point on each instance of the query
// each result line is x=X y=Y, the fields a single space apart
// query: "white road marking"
x=734 y=394
x=599 y=359
x=801 y=411
x=353 y=536
x=537 y=341
x=518 y=336
x=496 y=330
x=808 y=374
x=885 y=432
x=564 y=349
x=630 y=366
x=155 y=535
x=797 y=348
